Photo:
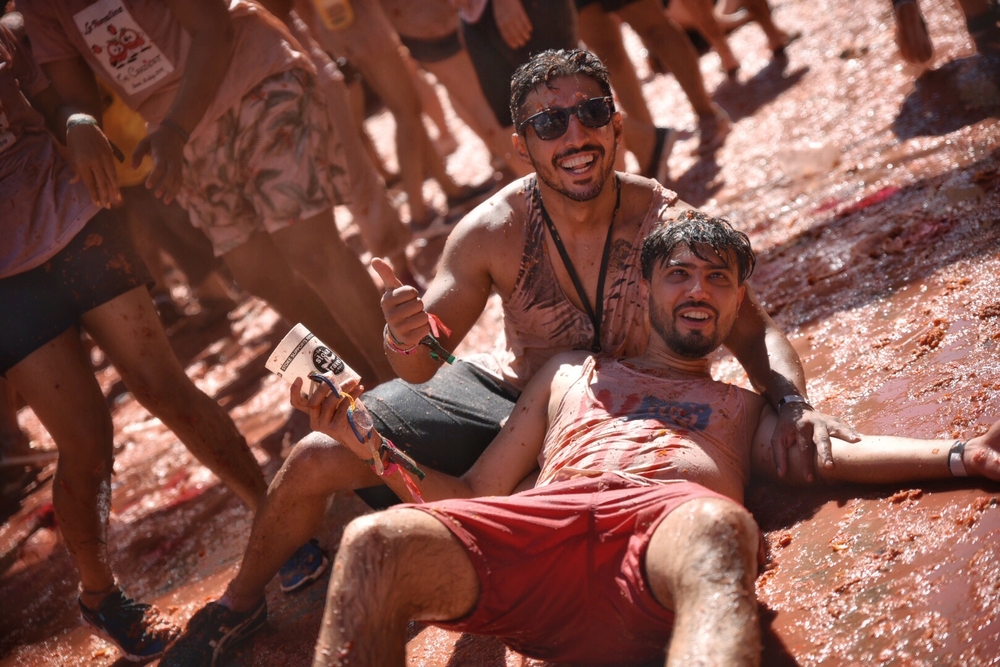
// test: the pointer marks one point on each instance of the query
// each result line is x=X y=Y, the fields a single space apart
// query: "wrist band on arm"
x=176 y=127
x=955 y=463
x=391 y=459
x=396 y=345
x=793 y=398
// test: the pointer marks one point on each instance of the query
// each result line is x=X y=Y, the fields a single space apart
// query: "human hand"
x=402 y=307
x=801 y=425
x=982 y=454
x=327 y=412
x=92 y=158
x=166 y=145
x=513 y=22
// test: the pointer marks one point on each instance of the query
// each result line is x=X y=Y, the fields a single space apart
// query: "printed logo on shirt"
x=692 y=416
x=120 y=45
x=7 y=137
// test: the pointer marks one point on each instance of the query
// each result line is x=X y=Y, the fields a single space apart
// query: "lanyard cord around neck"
x=595 y=317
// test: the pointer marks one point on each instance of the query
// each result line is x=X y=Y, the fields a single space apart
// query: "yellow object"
x=125 y=129
x=336 y=14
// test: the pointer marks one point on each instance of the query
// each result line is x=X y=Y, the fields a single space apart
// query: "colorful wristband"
x=396 y=345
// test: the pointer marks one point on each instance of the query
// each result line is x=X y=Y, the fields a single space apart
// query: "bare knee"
x=703 y=544
x=319 y=465
x=368 y=564
x=406 y=564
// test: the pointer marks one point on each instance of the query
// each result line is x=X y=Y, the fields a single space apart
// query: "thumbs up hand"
x=402 y=307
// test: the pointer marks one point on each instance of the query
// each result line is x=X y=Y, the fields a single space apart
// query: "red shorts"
x=561 y=571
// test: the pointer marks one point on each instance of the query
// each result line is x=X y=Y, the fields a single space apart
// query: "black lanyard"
x=595 y=317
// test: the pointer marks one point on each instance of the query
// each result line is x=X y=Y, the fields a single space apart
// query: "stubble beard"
x=587 y=195
x=693 y=345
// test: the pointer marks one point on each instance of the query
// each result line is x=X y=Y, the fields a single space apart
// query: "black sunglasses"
x=553 y=123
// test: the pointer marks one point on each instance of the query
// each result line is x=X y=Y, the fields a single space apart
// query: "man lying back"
x=634 y=543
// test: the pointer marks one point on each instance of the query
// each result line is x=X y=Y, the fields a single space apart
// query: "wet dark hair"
x=554 y=64
x=694 y=229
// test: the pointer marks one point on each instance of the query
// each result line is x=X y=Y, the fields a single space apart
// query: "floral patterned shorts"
x=266 y=163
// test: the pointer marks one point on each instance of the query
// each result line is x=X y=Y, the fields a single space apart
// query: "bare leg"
x=128 y=330
x=316 y=252
x=13 y=441
x=702 y=15
x=760 y=12
x=602 y=34
x=431 y=105
x=912 y=38
x=702 y=562
x=262 y=270
x=292 y=512
x=57 y=382
x=674 y=49
x=383 y=232
x=392 y=567
x=459 y=77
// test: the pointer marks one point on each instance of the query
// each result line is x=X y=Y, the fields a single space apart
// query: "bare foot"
x=912 y=37
x=713 y=130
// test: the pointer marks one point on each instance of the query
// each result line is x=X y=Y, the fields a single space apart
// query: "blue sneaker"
x=212 y=632
x=305 y=566
x=139 y=630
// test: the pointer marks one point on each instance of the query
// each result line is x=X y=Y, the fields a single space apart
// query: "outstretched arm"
x=775 y=371
x=884 y=459
x=511 y=456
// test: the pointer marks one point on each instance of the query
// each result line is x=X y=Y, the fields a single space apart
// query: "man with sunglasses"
x=561 y=249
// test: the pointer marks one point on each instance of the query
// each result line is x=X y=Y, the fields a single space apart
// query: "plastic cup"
x=300 y=353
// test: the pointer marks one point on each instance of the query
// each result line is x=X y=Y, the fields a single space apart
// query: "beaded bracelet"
x=396 y=345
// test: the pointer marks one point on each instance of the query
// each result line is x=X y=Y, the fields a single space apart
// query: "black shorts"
x=444 y=424
x=432 y=50
x=608 y=5
x=553 y=27
x=97 y=265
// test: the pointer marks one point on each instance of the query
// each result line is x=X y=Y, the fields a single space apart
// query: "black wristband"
x=793 y=398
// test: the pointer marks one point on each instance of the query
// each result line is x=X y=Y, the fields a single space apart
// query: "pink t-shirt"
x=140 y=49
x=40 y=210
x=649 y=428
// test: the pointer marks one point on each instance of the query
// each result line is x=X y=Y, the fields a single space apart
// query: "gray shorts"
x=444 y=424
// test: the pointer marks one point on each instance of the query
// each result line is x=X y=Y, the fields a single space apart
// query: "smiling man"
x=634 y=546
x=561 y=249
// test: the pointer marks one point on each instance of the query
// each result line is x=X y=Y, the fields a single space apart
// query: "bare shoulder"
x=489 y=240
x=563 y=370
x=640 y=195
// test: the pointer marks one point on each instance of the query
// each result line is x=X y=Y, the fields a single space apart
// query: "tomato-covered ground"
x=873 y=200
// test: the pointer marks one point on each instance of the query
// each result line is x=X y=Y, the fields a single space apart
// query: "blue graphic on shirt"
x=692 y=416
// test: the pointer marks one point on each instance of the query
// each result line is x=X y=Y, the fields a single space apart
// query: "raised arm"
x=457 y=296
x=511 y=456
x=775 y=371
x=885 y=459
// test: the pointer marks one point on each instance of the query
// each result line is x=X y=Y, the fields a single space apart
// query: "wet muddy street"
x=873 y=202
